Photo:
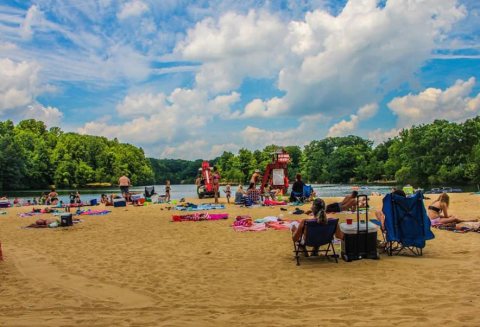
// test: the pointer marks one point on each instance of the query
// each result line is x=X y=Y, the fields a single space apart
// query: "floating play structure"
x=205 y=189
x=276 y=174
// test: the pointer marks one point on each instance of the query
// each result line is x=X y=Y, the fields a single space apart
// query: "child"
x=167 y=191
x=228 y=192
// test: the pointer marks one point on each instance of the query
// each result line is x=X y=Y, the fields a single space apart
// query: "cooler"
x=360 y=236
x=66 y=219
x=358 y=242
x=119 y=202
x=93 y=202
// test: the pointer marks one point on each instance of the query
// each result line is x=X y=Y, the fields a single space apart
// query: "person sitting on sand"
x=239 y=195
x=253 y=194
x=53 y=197
x=319 y=215
x=438 y=212
x=104 y=199
x=348 y=203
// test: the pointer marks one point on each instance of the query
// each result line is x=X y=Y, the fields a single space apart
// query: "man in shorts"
x=124 y=183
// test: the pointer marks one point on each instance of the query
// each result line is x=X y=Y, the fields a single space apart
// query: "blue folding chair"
x=315 y=236
x=407 y=226
x=304 y=195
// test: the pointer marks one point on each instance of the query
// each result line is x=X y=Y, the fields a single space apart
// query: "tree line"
x=34 y=157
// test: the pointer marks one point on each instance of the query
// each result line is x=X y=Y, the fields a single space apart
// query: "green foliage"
x=33 y=157
x=443 y=152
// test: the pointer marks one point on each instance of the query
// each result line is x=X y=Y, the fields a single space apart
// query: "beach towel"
x=279 y=225
x=460 y=228
x=199 y=207
x=90 y=212
x=29 y=214
x=199 y=217
x=269 y=202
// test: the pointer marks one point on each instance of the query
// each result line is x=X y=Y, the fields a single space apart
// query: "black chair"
x=315 y=236
x=149 y=191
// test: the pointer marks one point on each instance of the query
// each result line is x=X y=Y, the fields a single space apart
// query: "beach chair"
x=303 y=196
x=316 y=235
x=149 y=191
x=406 y=226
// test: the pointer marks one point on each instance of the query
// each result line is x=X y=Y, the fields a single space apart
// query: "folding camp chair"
x=315 y=236
x=406 y=226
x=305 y=195
x=149 y=191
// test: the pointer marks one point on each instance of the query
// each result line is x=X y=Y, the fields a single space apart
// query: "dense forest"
x=442 y=152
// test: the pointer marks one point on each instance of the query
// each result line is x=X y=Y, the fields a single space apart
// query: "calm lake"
x=190 y=191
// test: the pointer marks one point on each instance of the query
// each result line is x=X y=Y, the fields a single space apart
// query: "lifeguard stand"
x=205 y=190
x=276 y=174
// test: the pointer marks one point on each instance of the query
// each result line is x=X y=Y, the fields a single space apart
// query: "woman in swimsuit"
x=438 y=212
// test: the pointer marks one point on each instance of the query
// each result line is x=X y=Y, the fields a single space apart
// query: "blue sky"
x=191 y=79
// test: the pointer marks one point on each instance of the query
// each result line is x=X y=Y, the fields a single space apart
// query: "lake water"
x=190 y=191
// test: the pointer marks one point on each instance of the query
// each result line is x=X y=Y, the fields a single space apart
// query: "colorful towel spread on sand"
x=460 y=228
x=246 y=224
x=90 y=212
x=29 y=214
x=199 y=207
x=269 y=202
x=197 y=216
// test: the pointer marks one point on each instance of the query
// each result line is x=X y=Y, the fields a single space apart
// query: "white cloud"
x=234 y=47
x=346 y=127
x=132 y=9
x=51 y=116
x=453 y=103
x=323 y=63
x=310 y=127
x=163 y=119
x=19 y=88
x=34 y=16
x=19 y=84
x=379 y=135
x=269 y=108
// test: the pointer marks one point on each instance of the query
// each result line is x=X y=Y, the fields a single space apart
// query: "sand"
x=134 y=267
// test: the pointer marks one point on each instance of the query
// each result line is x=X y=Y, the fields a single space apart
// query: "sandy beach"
x=134 y=267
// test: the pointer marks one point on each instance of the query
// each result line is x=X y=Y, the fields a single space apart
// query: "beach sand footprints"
x=38 y=268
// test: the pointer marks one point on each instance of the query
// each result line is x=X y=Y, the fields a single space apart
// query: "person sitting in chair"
x=297 y=188
x=319 y=215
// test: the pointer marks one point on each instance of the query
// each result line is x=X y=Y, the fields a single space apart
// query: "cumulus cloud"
x=323 y=63
x=233 y=48
x=310 y=127
x=453 y=103
x=346 y=127
x=162 y=119
x=19 y=84
x=132 y=9
x=51 y=116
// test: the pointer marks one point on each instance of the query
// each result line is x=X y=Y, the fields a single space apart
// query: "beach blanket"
x=199 y=217
x=269 y=202
x=279 y=225
x=91 y=212
x=199 y=207
x=252 y=228
x=460 y=228
x=30 y=214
